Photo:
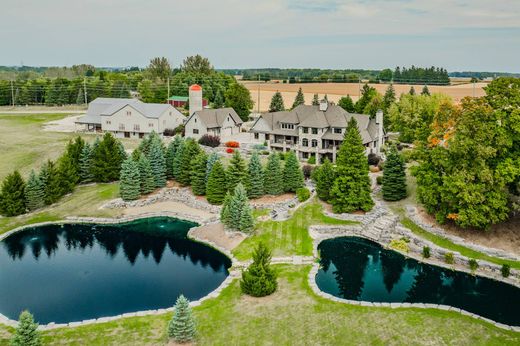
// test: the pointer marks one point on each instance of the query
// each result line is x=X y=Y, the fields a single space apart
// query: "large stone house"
x=129 y=117
x=220 y=122
x=316 y=130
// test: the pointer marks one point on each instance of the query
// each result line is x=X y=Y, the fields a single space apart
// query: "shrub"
x=379 y=179
x=303 y=194
x=169 y=132
x=312 y=160
x=449 y=258
x=307 y=171
x=259 y=280
x=179 y=130
x=473 y=264
x=374 y=169
x=230 y=150
x=400 y=245
x=506 y=270
x=426 y=251
x=259 y=147
x=373 y=159
x=232 y=144
x=209 y=140
x=265 y=152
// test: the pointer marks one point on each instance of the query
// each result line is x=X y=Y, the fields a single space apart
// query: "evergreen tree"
x=394 y=176
x=198 y=174
x=12 y=195
x=146 y=142
x=26 y=333
x=315 y=100
x=130 y=180
x=218 y=102
x=347 y=104
x=177 y=160
x=191 y=149
x=157 y=162
x=236 y=206
x=182 y=325
x=136 y=154
x=213 y=157
x=323 y=177
x=412 y=91
x=259 y=279
x=107 y=159
x=367 y=93
x=255 y=187
x=225 y=214
x=246 y=219
x=299 y=99
x=146 y=179
x=351 y=188
x=277 y=103
x=168 y=159
x=67 y=174
x=425 y=90
x=273 y=176
x=389 y=97
x=236 y=172
x=292 y=173
x=217 y=186
x=85 y=163
x=34 y=192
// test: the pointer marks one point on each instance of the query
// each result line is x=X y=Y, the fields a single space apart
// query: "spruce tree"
x=323 y=177
x=394 y=176
x=12 y=195
x=191 y=149
x=299 y=99
x=157 y=162
x=26 y=334
x=130 y=180
x=34 y=192
x=292 y=174
x=68 y=175
x=177 y=160
x=389 y=97
x=106 y=159
x=171 y=153
x=217 y=186
x=236 y=172
x=277 y=104
x=146 y=179
x=238 y=201
x=182 y=325
x=218 y=102
x=85 y=163
x=347 y=104
x=412 y=91
x=351 y=188
x=246 y=219
x=259 y=279
x=425 y=91
x=225 y=215
x=273 y=175
x=213 y=157
x=315 y=100
x=255 y=186
x=198 y=174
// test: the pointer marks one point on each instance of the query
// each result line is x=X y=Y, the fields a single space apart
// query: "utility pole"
x=12 y=93
x=258 y=96
x=85 y=89
x=168 y=81
x=473 y=89
x=359 y=87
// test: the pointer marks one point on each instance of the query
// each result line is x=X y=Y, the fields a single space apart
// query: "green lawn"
x=292 y=315
x=287 y=238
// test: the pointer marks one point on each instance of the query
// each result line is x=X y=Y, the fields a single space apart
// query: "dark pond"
x=75 y=272
x=358 y=269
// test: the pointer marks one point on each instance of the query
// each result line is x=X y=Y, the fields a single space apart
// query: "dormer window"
x=337 y=130
x=287 y=126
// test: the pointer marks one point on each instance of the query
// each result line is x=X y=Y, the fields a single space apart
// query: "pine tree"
x=389 y=97
x=130 y=180
x=315 y=100
x=259 y=279
x=198 y=174
x=146 y=179
x=34 y=192
x=277 y=104
x=255 y=187
x=85 y=163
x=182 y=325
x=347 y=104
x=246 y=219
x=26 y=333
x=299 y=99
x=171 y=153
x=225 y=215
x=67 y=173
x=425 y=91
x=238 y=201
x=177 y=160
x=217 y=186
x=12 y=195
x=323 y=177
x=236 y=172
x=273 y=176
x=106 y=159
x=292 y=174
x=157 y=162
x=191 y=149
x=351 y=188
x=394 y=176
x=412 y=91
x=213 y=157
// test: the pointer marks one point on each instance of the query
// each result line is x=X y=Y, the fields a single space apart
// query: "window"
x=305 y=155
x=108 y=122
x=305 y=142
x=314 y=131
x=150 y=124
x=128 y=113
x=314 y=143
x=195 y=120
x=137 y=128
x=288 y=126
x=305 y=130
x=195 y=131
x=256 y=135
x=337 y=130
x=122 y=127
x=171 y=113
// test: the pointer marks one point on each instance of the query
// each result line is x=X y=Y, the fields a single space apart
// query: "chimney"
x=324 y=104
x=195 y=93
x=380 y=131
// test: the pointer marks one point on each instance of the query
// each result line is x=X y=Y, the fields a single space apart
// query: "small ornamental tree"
x=299 y=99
x=12 y=195
x=34 y=192
x=217 y=186
x=26 y=334
x=277 y=104
x=273 y=175
x=182 y=325
x=146 y=179
x=255 y=187
x=323 y=177
x=198 y=174
x=351 y=188
x=130 y=180
x=259 y=279
x=85 y=163
x=292 y=173
x=236 y=172
x=315 y=100
x=394 y=176
x=191 y=149
x=157 y=162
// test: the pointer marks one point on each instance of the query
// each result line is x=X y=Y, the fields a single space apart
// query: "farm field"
x=335 y=91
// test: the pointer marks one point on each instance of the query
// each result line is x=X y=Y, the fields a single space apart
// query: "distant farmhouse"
x=129 y=118
x=316 y=130
x=220 y=122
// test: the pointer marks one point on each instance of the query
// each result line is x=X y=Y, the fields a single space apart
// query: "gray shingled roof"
x=214 y=118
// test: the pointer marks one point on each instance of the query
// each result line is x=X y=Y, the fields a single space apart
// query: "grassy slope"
x=287 y=238
x=292 y=315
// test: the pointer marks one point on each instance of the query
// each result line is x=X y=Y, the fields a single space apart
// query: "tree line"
x=416 y=75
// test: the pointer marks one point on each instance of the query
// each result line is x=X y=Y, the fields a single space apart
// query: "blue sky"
x=371 y=34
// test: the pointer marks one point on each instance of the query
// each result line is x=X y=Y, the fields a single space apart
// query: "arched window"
x=305 y=142
x=314 y=143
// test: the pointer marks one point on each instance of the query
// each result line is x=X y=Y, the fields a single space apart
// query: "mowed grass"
x=290 y=237
x=293 y=315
